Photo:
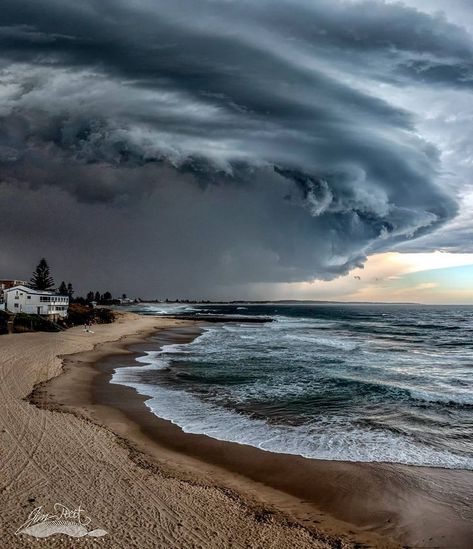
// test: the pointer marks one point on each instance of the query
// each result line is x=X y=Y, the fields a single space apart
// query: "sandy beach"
x=79 y=440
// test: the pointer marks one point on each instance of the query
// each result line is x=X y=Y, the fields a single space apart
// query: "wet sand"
x=379 y=505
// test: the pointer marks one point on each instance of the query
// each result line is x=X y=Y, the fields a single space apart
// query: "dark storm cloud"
x=262 y=102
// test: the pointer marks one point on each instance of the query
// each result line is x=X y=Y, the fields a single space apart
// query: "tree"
x=90 y=297
x=107 y=296
x=62 y=288
x=70 y=290
x=42 y=279
x=97 y=296
x=123 y=296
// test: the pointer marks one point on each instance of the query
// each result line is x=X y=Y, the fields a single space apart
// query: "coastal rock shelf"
x=223 y=318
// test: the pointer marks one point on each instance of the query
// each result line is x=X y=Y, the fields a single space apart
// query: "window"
x=28 y=297
x=16 y=305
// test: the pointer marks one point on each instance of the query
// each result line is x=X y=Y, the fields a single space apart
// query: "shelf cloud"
x=253 y=141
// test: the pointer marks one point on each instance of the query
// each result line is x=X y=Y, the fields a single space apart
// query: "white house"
x=22 y=299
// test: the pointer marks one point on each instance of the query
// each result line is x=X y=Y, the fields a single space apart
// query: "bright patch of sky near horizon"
x=433 y=278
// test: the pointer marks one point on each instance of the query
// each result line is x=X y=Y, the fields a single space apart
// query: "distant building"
x=126 y=301
x=5 y=284
x=22 y=299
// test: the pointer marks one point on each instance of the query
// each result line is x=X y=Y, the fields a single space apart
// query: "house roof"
x=31 y=291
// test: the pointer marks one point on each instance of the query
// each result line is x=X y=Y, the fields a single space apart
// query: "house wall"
x=18 y=301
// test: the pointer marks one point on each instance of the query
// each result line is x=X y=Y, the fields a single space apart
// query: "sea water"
x=391 y=383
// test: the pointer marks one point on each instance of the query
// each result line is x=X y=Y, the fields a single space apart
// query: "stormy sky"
x=200 y=148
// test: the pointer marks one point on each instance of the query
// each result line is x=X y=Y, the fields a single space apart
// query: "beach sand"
x=148 y=484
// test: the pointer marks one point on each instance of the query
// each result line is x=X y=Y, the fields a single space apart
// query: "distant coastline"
x=280 y=302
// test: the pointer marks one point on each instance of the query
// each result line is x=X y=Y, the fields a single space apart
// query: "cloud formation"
x=262 y=126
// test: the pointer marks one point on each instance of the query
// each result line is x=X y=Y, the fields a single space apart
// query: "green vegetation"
x=62 y=288
x=82 y=314
x=42 y=279
x=100 y=299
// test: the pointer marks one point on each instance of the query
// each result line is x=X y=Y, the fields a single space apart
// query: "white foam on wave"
x=330 y=438
x=164 y=308
x=337 y=342
x=462 y=398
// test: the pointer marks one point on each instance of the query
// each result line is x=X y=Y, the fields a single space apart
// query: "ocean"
x=370 y=383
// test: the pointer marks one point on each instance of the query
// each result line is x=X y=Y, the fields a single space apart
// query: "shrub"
x=81 y=314
x=104 y=316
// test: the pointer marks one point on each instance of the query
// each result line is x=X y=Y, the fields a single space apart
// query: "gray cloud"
x=126 y=111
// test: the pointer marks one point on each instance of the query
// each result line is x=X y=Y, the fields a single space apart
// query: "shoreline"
x=83 y=390
x=392 y=504
x=51 y=457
